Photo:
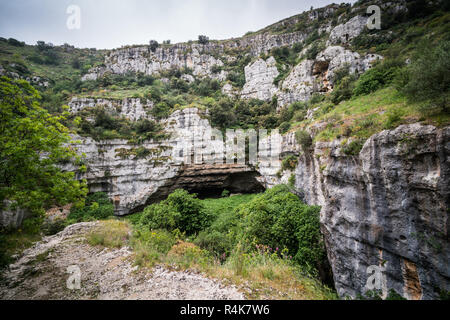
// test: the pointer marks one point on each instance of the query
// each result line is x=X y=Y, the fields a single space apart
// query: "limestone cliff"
x=385 y=207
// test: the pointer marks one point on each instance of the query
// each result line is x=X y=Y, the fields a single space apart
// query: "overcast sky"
x=113 y=23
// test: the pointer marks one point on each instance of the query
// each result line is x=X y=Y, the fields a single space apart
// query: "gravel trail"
x=41 y=272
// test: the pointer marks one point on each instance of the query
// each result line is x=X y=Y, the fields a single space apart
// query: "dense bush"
x=279 y=219
x=109 y=125
x=203 y=39
x=15 y=42
x=206 y=87
x=98 y=206
x=153 y=45
x=284 y=127
x=304 y=139
x=369 y=40
x=221 y=237
x=237 y=79
x=314 y=50
x=289 y=163
x=161 y=110
x=343 y=89
x=286 y=55
x=353 y=148
x=427 y=79
x=229 y=113
x=378 y=77
x=46 y=54
x=181 y=210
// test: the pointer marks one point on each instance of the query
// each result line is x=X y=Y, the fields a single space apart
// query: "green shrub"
x=98 y=206
x=428 y=78
x=279 y=219
x=225 y=193
x=393 y=118
x=221 y=237
x=314 y=50
x=220 y=244
x=289 y=163
x=353 y=148
x=378 y=77
x=284 y=127
x=343 y=89
x=160 y=216
x=236 y=78
x=161 y=110
x=304 y=139
x=181 y=210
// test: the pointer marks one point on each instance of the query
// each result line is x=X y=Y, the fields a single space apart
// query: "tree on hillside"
x=428 y=78
x=153 y=45
x=47 y=53
x=203 y=39
x=32 y=144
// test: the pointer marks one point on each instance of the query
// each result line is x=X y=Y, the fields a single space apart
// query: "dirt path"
x=41 y=273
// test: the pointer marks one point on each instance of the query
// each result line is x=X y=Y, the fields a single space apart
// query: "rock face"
x=135 y=175
x=336 y=57
x=311 y=76
x=263 y=43
x=259 y=78
x=143 y=60
x=385 y=208
x=130 y=108
x=344 y=33
x=12 y=218
x=299 y=85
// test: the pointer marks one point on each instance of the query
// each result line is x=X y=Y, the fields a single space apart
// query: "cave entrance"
x=209 y=181
x=236 y=183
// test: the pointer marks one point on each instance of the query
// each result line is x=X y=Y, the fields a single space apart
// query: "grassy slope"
x=61 y=71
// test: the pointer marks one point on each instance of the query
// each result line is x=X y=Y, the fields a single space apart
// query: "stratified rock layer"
x=387 y=207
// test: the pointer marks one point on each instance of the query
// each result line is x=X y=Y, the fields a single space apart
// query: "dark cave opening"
x=237 y=183
x=209 y=183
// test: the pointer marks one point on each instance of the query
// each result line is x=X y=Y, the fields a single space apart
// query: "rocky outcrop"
x=311 y=76
x=299 y=85
x=129 y=108
x=135 y=175
x=386 y=207
x=228 y=90
x=143 y=60
x=264 y=42
x=106 y=273
x=259 y=78
x=201 y=59
x=336 y=57
x=346 y=32
x=11 y=217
